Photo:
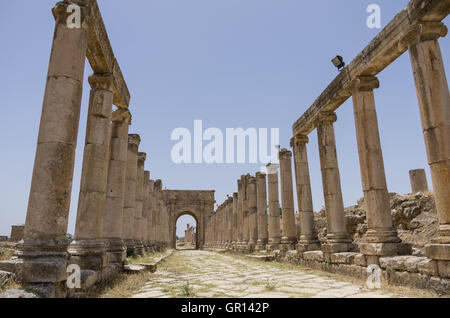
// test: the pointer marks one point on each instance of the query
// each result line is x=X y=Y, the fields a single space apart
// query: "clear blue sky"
x=230 y=63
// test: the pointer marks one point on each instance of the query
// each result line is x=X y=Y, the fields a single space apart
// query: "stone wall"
x=16 y=233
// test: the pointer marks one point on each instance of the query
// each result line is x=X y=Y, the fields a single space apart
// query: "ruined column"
x=289 y=231
x=130 y=192
x=307 y=237
x=434 y=104
x=235 y=232
x=88 y=250
x=261 y=195
x=337 y=236
x=418 y=180
x=381 y=236
x=240 y=219
x=115 y=189
x=149 y=213
x=230 y=222
x=274 y=208
x=252 y=214
x=43 y=252
x=139 y=205
x=245 y=213
x=145 y=211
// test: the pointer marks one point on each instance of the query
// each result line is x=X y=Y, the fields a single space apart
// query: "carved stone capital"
x=299 y=139
x=121 y=115
x=420 y=32
x=101 y=82
x=134 y=139
x=284 y=154
x=326 y=117
x=142 y=156
x=365 y=83
x=251 y=180
x=260 y=175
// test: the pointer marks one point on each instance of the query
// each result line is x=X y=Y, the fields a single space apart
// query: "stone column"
x=252 y=214
x=245 y=212
x=113 y=220
x=234 y=224
x=381 y=236
x=130 y=192
x=240 y=217
x=289 y=231
x=434 y=104
x=88 y=250
x=149 y=204
x=274 y=208
x=43 y=251
x=145 y=211
x=139 y=205
x=337 y=236
x=307 y=237
x=418 y=180
x=261 y=195
x=230 y=222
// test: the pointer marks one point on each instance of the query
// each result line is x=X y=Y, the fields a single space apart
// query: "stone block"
x=43 y=270
x=438 y=251
x=444 y=268
x=17 y=293
x=6 y=277
x=88 y=278
x=313 y=256
x=343 y=258
x=360 y=259
x=378 y=249
x=335 y=247
x=428 y=267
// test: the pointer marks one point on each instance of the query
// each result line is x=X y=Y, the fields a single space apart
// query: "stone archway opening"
x=186 y=229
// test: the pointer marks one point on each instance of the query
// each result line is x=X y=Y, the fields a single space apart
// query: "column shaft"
x=274 y=207
x=289 y=231
x=261 y=195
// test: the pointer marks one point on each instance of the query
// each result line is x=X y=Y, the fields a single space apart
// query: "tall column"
x=289 y=231
x=245 y=212
x=235 y=232
x=149 y=213
x=113 y=220
x=240 y=219
x=88 y=249
x=261 y=195
x=139 y=205
x=274 y=208
x=381 y=235
x=145 y=211
x=252 y=214
x=418 y=180
x=230 y=221
x=44 y=247
x=158 y=214
x=307 y=237
x=130 y=192
x=434 y=104
x=337 y=236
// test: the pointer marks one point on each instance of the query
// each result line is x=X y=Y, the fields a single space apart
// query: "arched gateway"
x=198 y=204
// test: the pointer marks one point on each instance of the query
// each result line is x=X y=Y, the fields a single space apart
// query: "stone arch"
x=199 y=227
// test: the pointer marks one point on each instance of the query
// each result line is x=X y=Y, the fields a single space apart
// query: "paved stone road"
x=191 y=273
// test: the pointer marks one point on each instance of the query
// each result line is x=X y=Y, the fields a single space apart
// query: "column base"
x=261 y=245
x=373 y=251
x=381 y=236
x=88 y=254
x=116 y=251
x=270 y=247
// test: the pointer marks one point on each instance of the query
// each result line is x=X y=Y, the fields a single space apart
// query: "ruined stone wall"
x=16 y=233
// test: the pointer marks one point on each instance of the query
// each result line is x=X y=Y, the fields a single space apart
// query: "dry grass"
x=6 y=253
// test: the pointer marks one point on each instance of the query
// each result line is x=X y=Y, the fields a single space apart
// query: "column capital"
x=101 y=82
x=327 y=116
x=260 y=175
x=134 y=139
x=239 y=183
x=142 y=156
x=272 y=168
x=63 y=10
x=235 y=196
x=299 y=139
x=121 y=115
x=365 y=83
x=251 y=180
x=284 y=154
x=420 y=32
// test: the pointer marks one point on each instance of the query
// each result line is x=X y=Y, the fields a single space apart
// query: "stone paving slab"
x=196 y=273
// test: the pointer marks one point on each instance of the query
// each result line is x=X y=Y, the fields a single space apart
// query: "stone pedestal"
x=261 y=195
x=115 y=190
x=130 y=192
x=376 y=196
x=418 y=180
x=331 y=182
x=43 y=251
x=307 y=236
x=434 y=104
x=289 y=231
x=88 y=249
x=273 y=221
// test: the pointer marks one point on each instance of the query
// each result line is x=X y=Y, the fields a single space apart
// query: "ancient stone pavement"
x=198 y=273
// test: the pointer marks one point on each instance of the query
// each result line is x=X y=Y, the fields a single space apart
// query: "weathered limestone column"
x=130 y=192
x=235 y=231
x=113 y=219
x=139 y=205
x=151 y=215
x=289 y=231
x=337 y=236
x=88 y=250
x=252 y=214
x=274 y=208
x=230 y=222
x=158 y=216
x=434 y=103
x=245 y=207
x=43 y=252
x=418 y=180
x=307 y=237
x=261 y=195
x=145 y=211
x=381 y=236
x=240 y=219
